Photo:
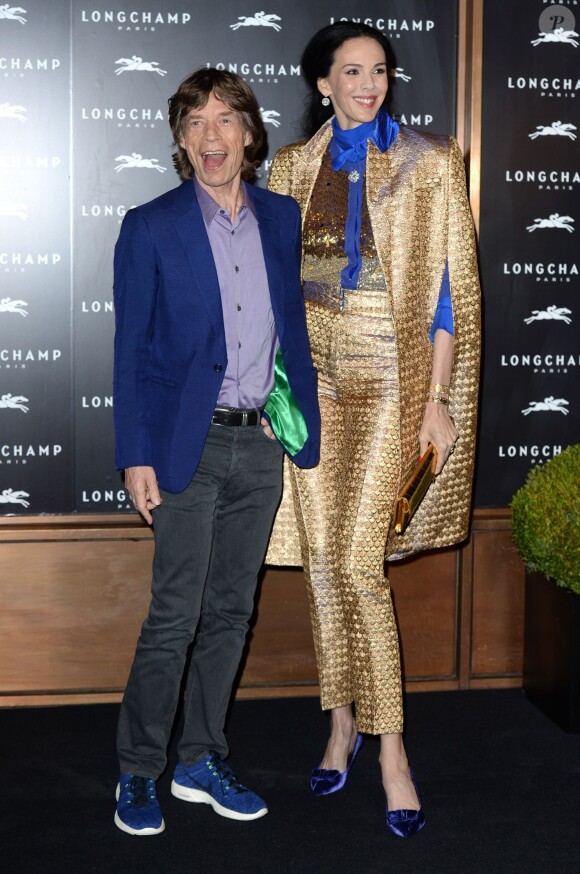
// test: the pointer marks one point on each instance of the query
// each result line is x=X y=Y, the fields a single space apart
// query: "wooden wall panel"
x=75 y=591
x=425 y=595
x=281 y=650
x=71 y=613
x=498 y=606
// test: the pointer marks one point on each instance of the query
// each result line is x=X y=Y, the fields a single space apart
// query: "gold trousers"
x=345 y=506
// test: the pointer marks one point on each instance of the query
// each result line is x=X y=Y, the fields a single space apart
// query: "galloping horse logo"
x=257 y=20
x=7 y=305
x=9 y=496
x=19 y=210
x=558 y=314
x=12 y=13
x=554 y=405
x=557 y=35
x=556 y=129
x=137 y=160
x=270 y=116
x=564 y=222
x=399 y=73
x=137 y=63
x=13 y=111
x=13 y=402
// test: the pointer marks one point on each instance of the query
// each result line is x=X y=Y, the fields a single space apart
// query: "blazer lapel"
x=270 y=231
x=192 y=233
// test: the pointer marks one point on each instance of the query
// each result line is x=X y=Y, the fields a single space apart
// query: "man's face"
x=214 y=138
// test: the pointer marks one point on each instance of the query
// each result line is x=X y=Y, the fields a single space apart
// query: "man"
x=210 y=330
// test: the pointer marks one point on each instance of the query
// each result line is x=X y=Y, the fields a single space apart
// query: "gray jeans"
x=210 y=542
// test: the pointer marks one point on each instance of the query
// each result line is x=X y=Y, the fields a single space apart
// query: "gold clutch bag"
x=413 y=491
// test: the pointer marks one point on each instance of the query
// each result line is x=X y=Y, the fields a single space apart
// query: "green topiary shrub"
x=546 y=519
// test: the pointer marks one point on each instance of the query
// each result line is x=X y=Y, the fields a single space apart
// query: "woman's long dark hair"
x=318 y=57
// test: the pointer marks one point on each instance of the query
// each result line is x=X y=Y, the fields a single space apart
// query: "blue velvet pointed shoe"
x=405 y=823
x=325 y=781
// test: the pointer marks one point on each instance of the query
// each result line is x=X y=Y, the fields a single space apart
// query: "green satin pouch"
x=285 y=417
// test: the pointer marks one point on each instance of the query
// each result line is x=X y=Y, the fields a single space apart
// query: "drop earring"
x=325 y=101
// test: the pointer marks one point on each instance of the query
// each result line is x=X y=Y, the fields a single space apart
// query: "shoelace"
x=142 y=791
x=225 y=775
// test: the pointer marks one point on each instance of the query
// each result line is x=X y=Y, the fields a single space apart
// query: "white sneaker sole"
x=198 y=797
x=138 y=831
x=135 y=831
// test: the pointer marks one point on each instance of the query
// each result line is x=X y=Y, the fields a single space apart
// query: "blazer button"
x=218 y=368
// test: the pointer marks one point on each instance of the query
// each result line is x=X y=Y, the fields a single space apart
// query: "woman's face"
x=357 y=81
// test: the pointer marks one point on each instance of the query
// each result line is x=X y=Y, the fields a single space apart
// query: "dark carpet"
x=500 y=786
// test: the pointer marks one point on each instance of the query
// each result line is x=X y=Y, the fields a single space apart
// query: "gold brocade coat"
x=420 y=216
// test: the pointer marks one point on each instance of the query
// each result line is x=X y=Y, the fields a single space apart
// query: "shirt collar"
x=209 y=207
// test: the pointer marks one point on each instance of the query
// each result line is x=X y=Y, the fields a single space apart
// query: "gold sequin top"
x=323 y=239
x=325 y=220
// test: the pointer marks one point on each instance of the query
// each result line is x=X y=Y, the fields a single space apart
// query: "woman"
x=392 y=301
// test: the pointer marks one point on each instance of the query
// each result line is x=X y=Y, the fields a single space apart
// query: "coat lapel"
x=379 y=185
x=309 y=159
x=270 y=231
x=192 y=233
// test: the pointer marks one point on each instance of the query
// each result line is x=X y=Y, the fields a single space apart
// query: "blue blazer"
x=170 y=348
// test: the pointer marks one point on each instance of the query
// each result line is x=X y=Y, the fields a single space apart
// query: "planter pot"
x=552 y=651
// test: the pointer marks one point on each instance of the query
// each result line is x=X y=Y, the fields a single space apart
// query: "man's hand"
x=141 y=483
x=267 y=430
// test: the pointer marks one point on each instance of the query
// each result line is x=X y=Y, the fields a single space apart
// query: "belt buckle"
x=245 y=417
x=220 y=410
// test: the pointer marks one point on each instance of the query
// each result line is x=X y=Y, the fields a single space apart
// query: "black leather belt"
x=233 y=416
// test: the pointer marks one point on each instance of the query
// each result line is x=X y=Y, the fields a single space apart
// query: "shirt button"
x=237 y=269
x=239 y=307
x=239 y=345
x=233 y=232
x=218 y=368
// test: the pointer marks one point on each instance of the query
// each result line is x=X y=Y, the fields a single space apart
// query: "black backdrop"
x=84 y=136
x=530 y=213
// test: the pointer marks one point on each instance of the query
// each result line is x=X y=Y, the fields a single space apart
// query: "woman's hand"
x=437 y=428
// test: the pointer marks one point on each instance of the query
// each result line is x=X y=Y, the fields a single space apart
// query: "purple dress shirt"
x=251 y=338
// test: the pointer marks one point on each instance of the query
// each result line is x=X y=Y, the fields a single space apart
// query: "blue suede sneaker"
x=138 y=811
x=210 y=781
